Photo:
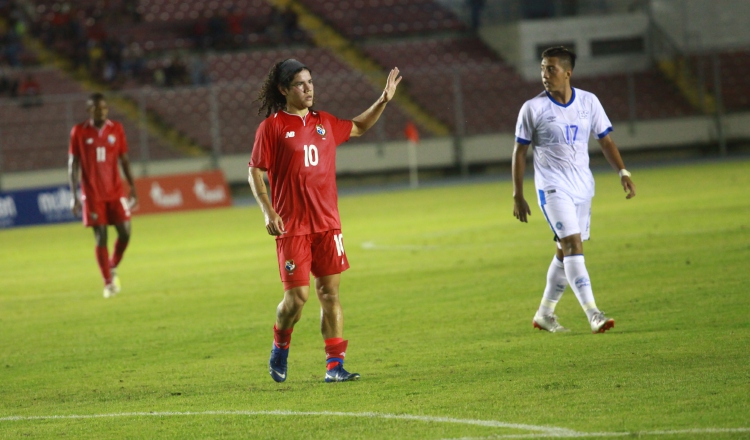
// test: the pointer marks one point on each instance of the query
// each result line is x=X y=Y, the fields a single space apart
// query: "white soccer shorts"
x=565 y=217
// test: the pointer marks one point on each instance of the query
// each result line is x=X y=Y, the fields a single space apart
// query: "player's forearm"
x=518 y=169
x=260 y=192
x=73 y=170
x=128 y=173
x=611 y=153
x=369 y=117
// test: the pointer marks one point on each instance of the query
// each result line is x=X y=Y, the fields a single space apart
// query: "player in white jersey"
x=558 y=122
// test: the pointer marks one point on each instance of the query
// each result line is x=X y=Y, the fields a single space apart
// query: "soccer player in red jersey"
x=96 y=147
x=296 y=146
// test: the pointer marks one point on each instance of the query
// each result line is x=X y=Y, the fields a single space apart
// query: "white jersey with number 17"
x=560 y=136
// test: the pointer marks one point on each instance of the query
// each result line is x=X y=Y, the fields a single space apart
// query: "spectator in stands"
x=217 y=29
x=475 y=13
x=198 y=71
x=175 y=73
x=289 y=21
x=30 y=92
x=559 y=121
x=8 y=83
x=201 y=39
x=95 y=58
x=10 y=40
x=234 y=26
x=96 y=148
x=275 y=29
x=130 y=10
x=296 y=146
x=133 y=61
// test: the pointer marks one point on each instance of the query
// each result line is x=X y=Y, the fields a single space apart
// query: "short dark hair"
x=563 y=53
x=94 y=98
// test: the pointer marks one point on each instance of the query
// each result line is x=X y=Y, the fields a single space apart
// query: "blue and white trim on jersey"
x=522 y=141
x=572 y=98
x=542 y=204
x=604 y=133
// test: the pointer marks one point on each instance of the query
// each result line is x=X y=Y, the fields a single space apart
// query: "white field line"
x=576 y=434
x=488 y=423
x=542 y=431
x=372 y=246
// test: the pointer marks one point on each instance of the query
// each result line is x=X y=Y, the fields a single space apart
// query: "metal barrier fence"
x=221 y=118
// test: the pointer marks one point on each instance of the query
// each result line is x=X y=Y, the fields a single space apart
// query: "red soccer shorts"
x=110 y=212
x=321 y=253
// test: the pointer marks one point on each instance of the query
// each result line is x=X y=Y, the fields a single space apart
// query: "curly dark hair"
x=270 y=98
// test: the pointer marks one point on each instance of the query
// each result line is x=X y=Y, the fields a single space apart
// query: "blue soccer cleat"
x=277 y=364
x=338 y=374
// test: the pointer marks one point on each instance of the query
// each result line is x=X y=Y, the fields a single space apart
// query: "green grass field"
x=438 y=306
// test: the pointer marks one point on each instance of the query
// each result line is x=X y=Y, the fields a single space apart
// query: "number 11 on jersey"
x=339 y=239
x=101 y=154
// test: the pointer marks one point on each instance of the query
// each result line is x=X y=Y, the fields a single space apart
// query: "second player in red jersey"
x=97 y=146
x=296 y=146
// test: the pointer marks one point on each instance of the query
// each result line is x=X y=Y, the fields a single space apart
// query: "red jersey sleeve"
x=123 y=140
x=342 y=128
x=73 y=147
x=265 y=141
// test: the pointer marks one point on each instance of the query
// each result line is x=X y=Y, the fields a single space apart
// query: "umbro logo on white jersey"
x=289 y=134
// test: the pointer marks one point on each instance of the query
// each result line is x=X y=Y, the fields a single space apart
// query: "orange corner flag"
x=411 y=132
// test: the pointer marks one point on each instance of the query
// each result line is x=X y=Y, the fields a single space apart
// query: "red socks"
x=102 y=258
x=119 y=250
x=282 y=338
x=335 y=352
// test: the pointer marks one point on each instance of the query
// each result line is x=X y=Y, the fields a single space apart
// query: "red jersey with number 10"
x=299 y=155
x=98 y=151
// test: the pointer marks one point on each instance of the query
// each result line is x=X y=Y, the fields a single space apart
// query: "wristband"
x=624 y=173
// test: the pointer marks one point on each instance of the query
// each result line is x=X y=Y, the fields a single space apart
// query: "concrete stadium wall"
x=436 y=153
x=517 y=42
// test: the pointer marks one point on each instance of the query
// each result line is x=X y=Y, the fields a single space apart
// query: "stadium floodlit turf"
x=438 y=307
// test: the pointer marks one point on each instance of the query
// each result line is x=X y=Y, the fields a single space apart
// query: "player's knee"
x=327 y=293
x=295 y=299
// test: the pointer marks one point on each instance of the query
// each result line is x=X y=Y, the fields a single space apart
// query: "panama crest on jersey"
x=289 y=265
x=320 y=129
x=111 y=138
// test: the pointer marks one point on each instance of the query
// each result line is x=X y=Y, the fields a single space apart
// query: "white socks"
x=578 y=277
x=556 y=284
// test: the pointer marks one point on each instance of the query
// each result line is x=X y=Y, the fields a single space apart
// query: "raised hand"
x=391 y=84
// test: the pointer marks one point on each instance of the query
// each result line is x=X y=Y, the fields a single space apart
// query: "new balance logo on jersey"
x=289 y=134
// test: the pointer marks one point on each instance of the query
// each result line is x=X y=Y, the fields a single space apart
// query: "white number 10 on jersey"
x=311 y=155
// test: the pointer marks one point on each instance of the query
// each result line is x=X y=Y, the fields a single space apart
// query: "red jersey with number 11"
x=299 y=155
x=98 y=151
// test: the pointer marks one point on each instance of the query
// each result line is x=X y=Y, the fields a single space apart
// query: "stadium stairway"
x=678 y=72
x=128 y=107
x=324 y=35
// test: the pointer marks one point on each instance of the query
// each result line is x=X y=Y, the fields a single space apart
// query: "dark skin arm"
x=125 y=163
x=520 y=207
x=74 y=171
